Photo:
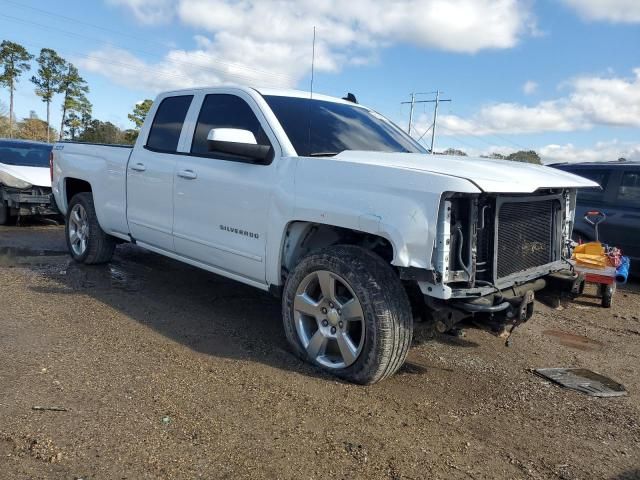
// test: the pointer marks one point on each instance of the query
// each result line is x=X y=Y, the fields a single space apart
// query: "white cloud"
x=270 y=42
x=611 y=101
x=148 y=11
x=529 y=87
x=622 y=11
x=601 y=151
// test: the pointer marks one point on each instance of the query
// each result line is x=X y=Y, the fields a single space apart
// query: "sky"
x=561 y=77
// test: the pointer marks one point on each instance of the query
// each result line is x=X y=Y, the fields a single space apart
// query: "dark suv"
x=619 y=199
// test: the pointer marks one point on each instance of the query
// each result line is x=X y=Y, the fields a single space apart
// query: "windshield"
x=321 y=128
x=24 y=154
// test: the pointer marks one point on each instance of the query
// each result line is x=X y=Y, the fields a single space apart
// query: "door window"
x=225 y=111
x=167 y=124
x=629 y=190
x=600 y=176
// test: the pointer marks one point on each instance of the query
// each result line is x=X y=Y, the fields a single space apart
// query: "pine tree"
x=14 y=61
x=74 y=88
x=51 y=68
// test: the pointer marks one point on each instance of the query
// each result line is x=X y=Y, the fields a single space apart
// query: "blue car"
x=619 y=199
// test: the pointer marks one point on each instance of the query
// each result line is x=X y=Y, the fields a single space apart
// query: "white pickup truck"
x=328 y=204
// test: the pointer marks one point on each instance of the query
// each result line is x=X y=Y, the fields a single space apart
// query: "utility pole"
x=413 y=102
x=437 y=101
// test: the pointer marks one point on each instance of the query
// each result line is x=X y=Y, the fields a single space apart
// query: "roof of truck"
x=266 y=91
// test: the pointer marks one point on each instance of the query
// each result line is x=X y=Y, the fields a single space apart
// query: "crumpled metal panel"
x=583 y=380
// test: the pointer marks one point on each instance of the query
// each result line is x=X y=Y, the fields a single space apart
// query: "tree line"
x=56 y=76
x=525 y=156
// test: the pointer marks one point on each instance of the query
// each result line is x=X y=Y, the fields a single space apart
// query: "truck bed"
x=105 y=168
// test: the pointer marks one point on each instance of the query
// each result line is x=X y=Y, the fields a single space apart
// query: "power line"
x=118 y=63
x=490 y=135
x=450 y=134
x=218 y=70
x=436 y=103
x=151 y=42
x=425 y=132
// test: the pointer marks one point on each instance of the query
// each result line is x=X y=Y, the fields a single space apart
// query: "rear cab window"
x=24 y=154
x=166 y=128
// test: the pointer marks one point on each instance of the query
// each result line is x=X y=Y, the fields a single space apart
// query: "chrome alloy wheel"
x=329 y=319
x=78 y=229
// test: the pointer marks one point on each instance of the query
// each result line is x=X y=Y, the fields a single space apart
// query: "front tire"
x=86 y=241
x=345 y=310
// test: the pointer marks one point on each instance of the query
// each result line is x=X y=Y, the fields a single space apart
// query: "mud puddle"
x=579 y=342
x=101 y=277
x=13 y=256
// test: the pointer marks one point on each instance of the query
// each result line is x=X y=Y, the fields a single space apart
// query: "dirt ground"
x=166 y=371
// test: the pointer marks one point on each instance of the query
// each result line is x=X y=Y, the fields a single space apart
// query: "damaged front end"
x=32 y=200
x=493 y=252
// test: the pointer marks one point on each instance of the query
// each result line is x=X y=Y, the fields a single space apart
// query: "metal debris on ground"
x=583 y=380
x=50 y=409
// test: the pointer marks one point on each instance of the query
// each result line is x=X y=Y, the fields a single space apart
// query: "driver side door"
x=221 y=201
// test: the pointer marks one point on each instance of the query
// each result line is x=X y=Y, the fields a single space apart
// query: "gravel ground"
x=166 y=371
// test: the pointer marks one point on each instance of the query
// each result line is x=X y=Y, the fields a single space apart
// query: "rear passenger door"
x=222 y=201
x=151 y=172
x=624 y=221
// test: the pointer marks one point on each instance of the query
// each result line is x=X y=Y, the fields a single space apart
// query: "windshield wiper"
x=324 y=154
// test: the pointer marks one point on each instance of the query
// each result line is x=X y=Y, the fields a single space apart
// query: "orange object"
x=591 y=255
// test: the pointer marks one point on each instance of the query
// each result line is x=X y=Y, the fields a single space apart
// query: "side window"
x=167 y=124
x=629 y=190
x=600 y=176
x=225 y=111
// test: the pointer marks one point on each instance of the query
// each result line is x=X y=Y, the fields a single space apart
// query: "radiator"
x=525 y=236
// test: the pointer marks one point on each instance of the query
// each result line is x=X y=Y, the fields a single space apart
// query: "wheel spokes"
x=327 y=284
x=348 y=350
x=78 y=229
x=329 y=319
x=306 y=305
x=352 y=310
x=317 y=344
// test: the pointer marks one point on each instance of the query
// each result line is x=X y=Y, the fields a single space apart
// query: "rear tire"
x=86 y=241
x=606 y=292
x=384 y=324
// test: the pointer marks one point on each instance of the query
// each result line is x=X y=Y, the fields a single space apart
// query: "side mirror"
x=235 y=141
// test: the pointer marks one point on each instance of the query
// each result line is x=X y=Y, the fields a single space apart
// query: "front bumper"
x=501 y=307
x=564 y=281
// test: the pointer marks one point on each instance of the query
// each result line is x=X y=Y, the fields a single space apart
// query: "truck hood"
x=37 y=176
x=489 y=175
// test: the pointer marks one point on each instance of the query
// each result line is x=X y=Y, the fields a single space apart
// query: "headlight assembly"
x=11 y=181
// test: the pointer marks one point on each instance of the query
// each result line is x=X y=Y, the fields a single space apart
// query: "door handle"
x=138 y=167
x=187 y=174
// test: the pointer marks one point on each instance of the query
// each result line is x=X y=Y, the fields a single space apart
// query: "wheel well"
x=73 y=186
x=302 y=238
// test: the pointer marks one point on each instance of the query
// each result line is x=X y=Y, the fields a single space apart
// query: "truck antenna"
x=313 y=60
